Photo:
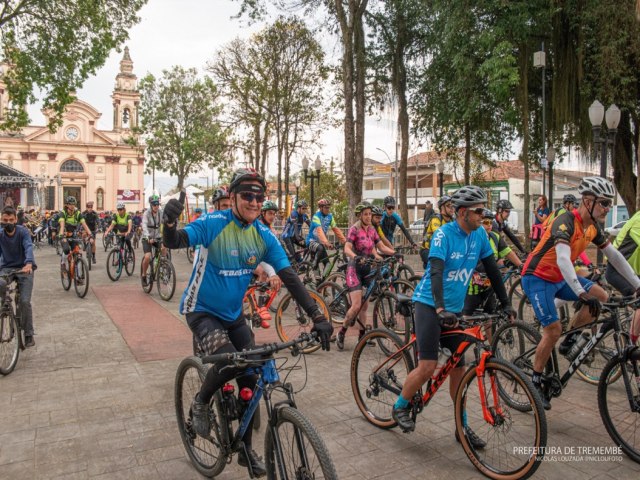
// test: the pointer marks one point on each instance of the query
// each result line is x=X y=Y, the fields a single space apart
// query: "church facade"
x=80 y=160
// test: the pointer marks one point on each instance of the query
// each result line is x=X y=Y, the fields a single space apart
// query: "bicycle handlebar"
x=13 y=272
x=621 y=302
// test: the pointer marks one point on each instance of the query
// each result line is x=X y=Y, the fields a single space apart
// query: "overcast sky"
x=187 y=33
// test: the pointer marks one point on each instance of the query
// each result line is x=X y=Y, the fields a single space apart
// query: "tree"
x=179 y=115
x=54 y=46
x=332 y=187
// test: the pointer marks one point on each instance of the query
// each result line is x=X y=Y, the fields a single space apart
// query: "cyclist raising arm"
x=233 y=243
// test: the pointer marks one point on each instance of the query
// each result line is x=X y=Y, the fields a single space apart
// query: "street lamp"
x=540 y=61
x=297 y=185
x=551 y=156
x=395 y=189
x=440 y=169
x=312 y=176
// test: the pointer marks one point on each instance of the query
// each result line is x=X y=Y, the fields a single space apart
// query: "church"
x=39 y=169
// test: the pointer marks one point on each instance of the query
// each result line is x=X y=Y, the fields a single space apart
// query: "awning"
x=10 y=177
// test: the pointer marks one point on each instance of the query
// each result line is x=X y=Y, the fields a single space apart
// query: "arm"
x=437 y=282
x=338 y=233
x=129 y=225
x=407 y=234
x=174 y=238
x=621 y=265
x=507 y=231
x=384 y=248
x=387 y=244
x=348 y=250
x=584 y=258
x=86 y=228
x=299 y=293
x=268 y=269
x=322 y=237
x=61 y=223
x=27 y=245
x=563 y=254
x=145 y=228
x=513 y=258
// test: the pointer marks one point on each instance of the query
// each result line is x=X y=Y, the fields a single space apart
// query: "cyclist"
x=548 y=272
x=569 y=202
x=292 y=231
x=221 y=199
x=151 y=221
x=390 y=219
x=197 y=213
x=233 y=243
x=362 y=240
x=54 y=219
x=503 y=210
x=122 y=222
x=435 y=222
x=455 y=251
x=16 y=251
x=70 y=220
x=91 y=218
x=264 y=270
x=317 y=236
x=376 y=218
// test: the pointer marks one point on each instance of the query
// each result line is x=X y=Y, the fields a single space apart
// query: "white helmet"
x=598 y=186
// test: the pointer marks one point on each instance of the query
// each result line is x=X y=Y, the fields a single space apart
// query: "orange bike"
x=255 y=305
x=75 y=269
x=514 y=440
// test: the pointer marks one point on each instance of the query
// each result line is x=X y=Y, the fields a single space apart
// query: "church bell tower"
x=126 y=97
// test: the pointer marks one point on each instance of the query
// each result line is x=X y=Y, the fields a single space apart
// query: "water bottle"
x=443 y=357
x=583 y=339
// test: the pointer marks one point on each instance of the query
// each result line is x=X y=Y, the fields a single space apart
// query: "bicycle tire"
x=591 y=369
x=166 y=279
x=190 y=254
x=81 y=277
x=291 y=320
x=88 y=254
x=515 y=290
x=528 y=428
x=206 y=456
x=415 y=280
x=150 y=274
x=614 y=411
x=373 y=365
x=405 y=272
x=130 y=261
x=403 y=287
x=9 y=342
x=386 y=315
x=337 y=300
x=114 y=265
x=299 y=442
x=65 y=278
x=515 y=343
x=338 y=278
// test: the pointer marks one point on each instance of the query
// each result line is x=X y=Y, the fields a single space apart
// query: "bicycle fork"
x=495 y=413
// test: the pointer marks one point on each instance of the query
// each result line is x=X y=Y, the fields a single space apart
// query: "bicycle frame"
x=250 y=296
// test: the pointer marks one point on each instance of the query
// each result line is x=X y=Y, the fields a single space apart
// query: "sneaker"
x=257 y=465
x=475 y=441
x=402 y=417
x=200 y=417
x=545 y=401
x=567 y=343
x=29 y=341
x=340 y=340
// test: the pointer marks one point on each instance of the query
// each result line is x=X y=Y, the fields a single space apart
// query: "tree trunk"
x=257 y=144
x=467 y=154
x=623 y=163
x=355 y=188
x=524 y=109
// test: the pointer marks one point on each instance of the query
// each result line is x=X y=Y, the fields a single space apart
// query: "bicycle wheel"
x=404 y=287
x=337 y=300
x=149 y=285
x=166 y=279
x=299 y=451
x=505 y=430
x=386 y=315
x=65 y=278
x=591 y=369
x=622 y=421
x=190 y=254
x=114 y=264
x=9 y=342
x=130 y=263
x=415 y=280
x=338 y=278
x=206 y=454
x=377 y=375
x=81 y=277
x=88 y=254
x=291 y=320
x=515 y=290
x=405 y=272
x=516 y=343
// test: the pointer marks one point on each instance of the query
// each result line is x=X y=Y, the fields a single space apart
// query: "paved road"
x=82 y=405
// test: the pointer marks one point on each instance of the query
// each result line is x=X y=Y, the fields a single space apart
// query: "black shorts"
x=217 y=333
x=428 y=334
x=618 y=282
x=146 y=246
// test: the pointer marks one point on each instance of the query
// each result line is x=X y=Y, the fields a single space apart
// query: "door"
x=73 y=192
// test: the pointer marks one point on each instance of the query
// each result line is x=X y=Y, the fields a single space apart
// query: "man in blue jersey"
x=321 y=222
x=391 y=219
x=456 y=248
x=232 y=244
x=292 y=231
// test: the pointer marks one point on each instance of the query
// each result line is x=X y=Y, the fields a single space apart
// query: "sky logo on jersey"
x=437 y=238
x=462 y=275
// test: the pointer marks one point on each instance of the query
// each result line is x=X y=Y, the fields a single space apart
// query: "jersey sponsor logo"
x=462 y=275
x=456 y=256
x=437 y=238
x=252 y=260
x=236 y=273
x=562 y=227
x=234 y=253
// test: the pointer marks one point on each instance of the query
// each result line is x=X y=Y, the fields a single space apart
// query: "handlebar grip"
x=218 y=357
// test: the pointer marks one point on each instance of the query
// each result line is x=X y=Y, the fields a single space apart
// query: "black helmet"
x=69 y=201
x=468 y=195
x=443 y=199
x=389 y=201
x=220 y=194
x=301 y=203
x=246 y=174
x=376 y=210
x=598 y=186
x=487 y=213
x=569 y=198
x=504 y=204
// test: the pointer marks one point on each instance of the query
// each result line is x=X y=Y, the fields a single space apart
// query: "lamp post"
x=551 y=156
x=540 y=61
x=440 y=169
x=312 y=176
x=612 y=118
x=297 y=185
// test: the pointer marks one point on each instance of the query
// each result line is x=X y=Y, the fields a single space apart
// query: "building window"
x=129 y=166
x=126 y=118
x=100 y=199
x=72 y=166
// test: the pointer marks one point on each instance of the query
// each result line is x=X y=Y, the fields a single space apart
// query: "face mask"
x=8 y=227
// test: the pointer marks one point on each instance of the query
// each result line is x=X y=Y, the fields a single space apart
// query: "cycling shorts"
x=542 y=294
x=212 y=333
x=428 y=336
x=146 y=246
x=356 y=274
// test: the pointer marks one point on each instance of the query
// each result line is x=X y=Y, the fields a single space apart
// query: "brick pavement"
x=80 y=405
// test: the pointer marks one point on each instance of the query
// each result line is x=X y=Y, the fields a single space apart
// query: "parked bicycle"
x=11 y=332
x=254 y=309
x=161 y=271
x=120 y=257
x=378 y=375
x=293 y=447
x=74 y=269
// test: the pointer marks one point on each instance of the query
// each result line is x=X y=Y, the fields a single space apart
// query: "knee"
x=425 y=370
x=553 y=331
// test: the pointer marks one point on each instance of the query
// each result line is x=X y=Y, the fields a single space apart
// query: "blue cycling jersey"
x=388 y=224
x=319 y=220
x=229 y=253
x=460 y=252
x=293 y=227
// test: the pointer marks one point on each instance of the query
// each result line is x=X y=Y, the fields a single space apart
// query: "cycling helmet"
x=324 y=202
x=468 y=195
x=154 y=199
x=220 y=194
x=301 y=203
x=389 y=201
x=598 y=186
x=120 y=206
x=443 y=199
x=269 y=205
x=197 y=210
x=246 y=174
x=362 y=206
x=504 y=204
x=69 y=201
x=376 y=210
x=569 y=198
x=487 y=213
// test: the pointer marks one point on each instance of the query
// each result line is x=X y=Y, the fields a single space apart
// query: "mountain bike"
x=87 y=248
x=291 y=320
x=160 y=270
x=293 y=447
x=120 y=257
x=330 y=270
x=108 y=240
x=11 y=332
x=75 y=269
x=378 y=374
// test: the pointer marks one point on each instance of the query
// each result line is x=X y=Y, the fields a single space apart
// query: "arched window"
x=72 y=166
x=129 y=166
x=126 y=118
x=100 y=199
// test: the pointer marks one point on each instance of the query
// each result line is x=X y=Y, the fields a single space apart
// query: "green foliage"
x=332 y=187
x=54 y=46
x=179 y=116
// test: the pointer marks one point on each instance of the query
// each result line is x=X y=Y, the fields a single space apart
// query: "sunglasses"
x=477 y=211
x=391 y=207
x=604 y=203
x=155 y=204
x=250 y=197
x=487 y=221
